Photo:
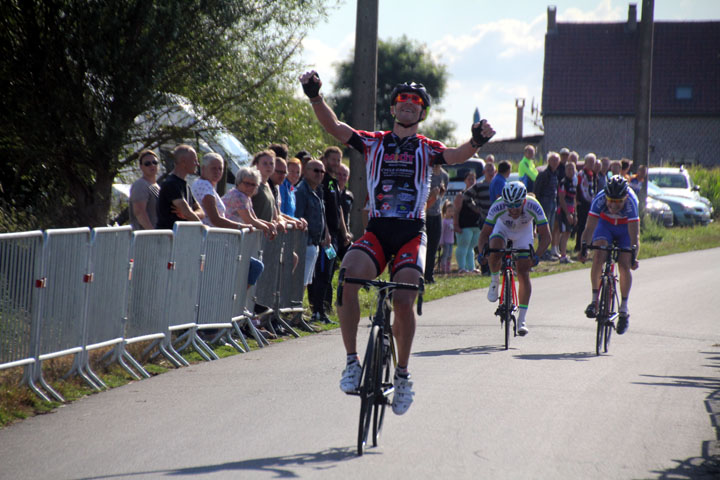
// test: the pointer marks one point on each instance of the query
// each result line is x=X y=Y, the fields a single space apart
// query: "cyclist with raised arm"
x=511 y=218
x=613 y=217
x=398 y=168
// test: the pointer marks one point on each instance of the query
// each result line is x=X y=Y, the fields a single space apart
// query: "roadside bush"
x=708 y=179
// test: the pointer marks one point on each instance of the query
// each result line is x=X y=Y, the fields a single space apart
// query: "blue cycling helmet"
x=616 y=187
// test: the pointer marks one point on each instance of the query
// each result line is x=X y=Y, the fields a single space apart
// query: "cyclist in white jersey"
x=398 y=166
x=511 y=218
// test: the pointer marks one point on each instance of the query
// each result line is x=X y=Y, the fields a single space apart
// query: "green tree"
x=399 y=61
x=75 y=74
x=280 y=118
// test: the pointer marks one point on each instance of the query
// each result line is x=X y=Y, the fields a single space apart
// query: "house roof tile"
x=594 y=68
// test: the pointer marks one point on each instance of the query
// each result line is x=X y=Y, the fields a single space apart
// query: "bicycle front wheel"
x=507 y=305
x=367 y=389
x=603 y=324
x=383 y=373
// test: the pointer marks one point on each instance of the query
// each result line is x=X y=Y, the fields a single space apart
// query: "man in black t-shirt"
x=175 y=202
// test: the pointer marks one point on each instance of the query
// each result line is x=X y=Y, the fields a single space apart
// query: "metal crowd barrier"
x=242 y=312
x=181 y=309
x=268 y=291
x=20 y=279
x=106 y=309
x=71 y=291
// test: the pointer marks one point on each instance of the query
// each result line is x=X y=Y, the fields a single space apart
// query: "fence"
x=71 y=291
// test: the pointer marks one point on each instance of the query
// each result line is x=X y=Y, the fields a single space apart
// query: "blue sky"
x=493 y=50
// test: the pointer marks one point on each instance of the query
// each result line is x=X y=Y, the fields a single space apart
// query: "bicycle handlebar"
x=380 y=284
x=610 y=248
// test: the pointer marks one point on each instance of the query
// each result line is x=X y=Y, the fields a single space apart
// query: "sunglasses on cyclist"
x=514 y=205
x=409 y=97
x=615 y=201
x=147 y=164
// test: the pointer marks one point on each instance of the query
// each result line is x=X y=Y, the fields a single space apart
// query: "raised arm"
x=311 y=84
x=482 y=132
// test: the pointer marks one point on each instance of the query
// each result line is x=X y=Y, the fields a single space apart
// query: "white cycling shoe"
x=403 y=396
x=493 y=291
x=350 y=380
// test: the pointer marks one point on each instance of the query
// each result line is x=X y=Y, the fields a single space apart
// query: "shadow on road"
x=707 y=465
x=482 y=350
x=281 y=467
x=578 y=356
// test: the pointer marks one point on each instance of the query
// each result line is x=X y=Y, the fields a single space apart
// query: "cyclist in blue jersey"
x=613 y=217
x=398 y=166
x=511 y=218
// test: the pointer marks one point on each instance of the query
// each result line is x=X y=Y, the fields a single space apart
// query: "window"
x=683 y=92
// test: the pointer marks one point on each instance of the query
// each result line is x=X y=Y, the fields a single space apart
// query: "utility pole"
x=364 y=89
x=642 y=111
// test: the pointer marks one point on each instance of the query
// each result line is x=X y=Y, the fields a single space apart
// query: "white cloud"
x=506 y=38
x=604 y=12
x=322 y=57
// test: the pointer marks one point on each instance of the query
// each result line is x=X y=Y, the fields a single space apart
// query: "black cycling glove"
x=478 y=140
x=312 y=87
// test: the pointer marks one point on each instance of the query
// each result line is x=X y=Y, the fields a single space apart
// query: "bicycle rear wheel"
x=508 y=306
x=367 y=389
x=383 y=373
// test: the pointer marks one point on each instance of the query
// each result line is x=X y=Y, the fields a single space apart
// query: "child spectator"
x=447 y=236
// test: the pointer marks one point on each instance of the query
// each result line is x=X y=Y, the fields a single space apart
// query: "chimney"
x=520 y=105
x=631 y=25
x=552 y=22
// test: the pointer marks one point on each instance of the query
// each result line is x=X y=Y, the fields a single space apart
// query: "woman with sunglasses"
x=511 y=218
x=144 y=193
x=614 y=217
x=398 y=166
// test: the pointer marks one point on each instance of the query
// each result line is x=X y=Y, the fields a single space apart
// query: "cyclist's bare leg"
x=625 y=274
x=495 y=257
x=597 y=264
x=524 y=285
x=357 y=264
x=403 y=304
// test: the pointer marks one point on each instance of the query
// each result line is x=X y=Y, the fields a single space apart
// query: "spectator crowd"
x=274 y=193
x=563 y=188
x=278 y=191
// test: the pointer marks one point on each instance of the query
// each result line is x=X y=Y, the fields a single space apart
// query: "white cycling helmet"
x=514 y=193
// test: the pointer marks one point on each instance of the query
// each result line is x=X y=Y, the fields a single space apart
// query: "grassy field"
x=18 y=402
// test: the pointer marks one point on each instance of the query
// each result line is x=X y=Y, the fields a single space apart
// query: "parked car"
x=677 y=182
x=459 y=171
x=659 y=211
x=686 y=211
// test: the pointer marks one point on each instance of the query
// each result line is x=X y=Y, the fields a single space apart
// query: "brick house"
x=590 y=85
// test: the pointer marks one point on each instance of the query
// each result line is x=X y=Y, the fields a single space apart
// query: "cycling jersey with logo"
x=398 y=172
x=628 y=213
x=531 y=212
x=568 y=187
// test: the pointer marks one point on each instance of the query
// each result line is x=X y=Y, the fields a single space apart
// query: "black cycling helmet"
x=412 y=87
x=616 y=187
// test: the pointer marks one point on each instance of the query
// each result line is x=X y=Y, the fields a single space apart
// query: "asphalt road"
x=546 y=408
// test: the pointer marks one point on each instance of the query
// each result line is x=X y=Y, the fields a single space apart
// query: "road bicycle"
x=508 y=306
x=376 y=384
x=608 y=296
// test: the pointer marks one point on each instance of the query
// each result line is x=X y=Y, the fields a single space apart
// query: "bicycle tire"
x=367 y=390
x=508 y=306
x=602 y=317
x=383 y=362
x=612 y=297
